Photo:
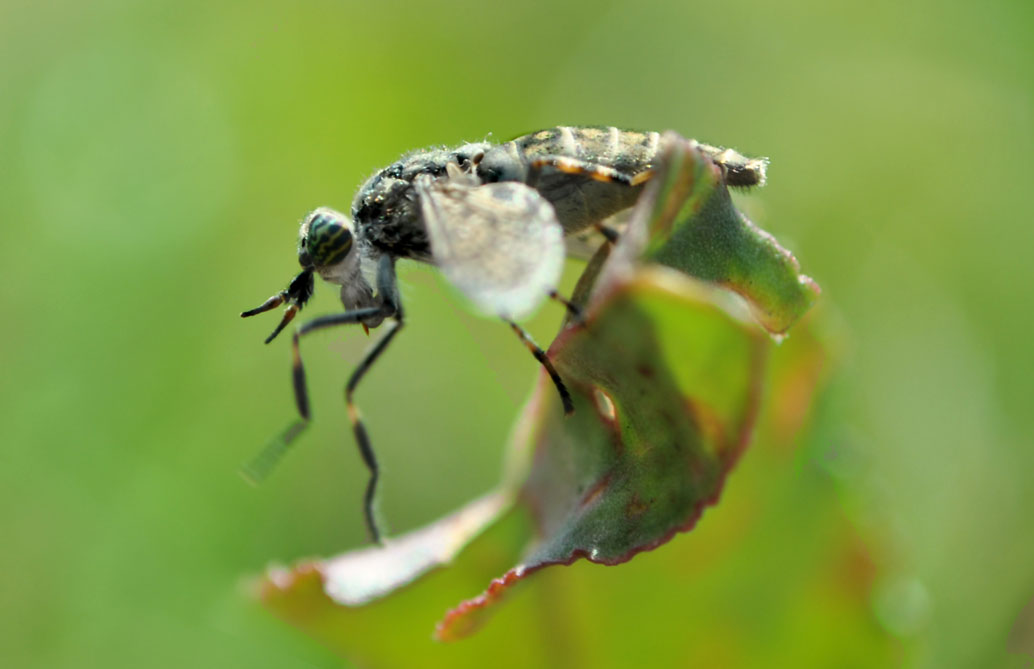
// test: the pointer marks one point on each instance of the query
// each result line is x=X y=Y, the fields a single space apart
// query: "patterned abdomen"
x=627 y=151
x=586 y=173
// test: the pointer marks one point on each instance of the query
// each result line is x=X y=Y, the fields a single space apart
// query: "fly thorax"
x=502 y=163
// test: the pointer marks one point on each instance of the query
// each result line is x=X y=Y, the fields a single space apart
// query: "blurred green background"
x=156 y=158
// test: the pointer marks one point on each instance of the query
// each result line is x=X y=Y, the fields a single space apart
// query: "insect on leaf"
x=666 y=379
x=666 y=376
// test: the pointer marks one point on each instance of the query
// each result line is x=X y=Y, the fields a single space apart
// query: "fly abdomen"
x=589 y=173
x=739 y=169
x=628 y=151
x=586 y=173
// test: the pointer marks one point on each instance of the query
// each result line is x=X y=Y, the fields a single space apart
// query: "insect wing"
x=499 y=243
x=585 y=243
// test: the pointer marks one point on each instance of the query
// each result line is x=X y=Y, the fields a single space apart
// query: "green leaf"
x=666 y=384
x=774 y=577
x=693 y=226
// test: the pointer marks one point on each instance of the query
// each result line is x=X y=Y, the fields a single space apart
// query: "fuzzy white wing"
x=499 y=243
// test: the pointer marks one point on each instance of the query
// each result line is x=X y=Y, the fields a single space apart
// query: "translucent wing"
x=499 y=243
x=585 y=243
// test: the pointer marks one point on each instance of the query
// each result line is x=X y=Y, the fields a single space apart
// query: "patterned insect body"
x=492 y=217
x=587 y=174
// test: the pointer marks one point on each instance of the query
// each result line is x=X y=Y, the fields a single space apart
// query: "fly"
x=491 y=217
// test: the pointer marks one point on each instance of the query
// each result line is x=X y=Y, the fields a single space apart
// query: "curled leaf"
x=361 y=576
x=686 y=220
x=666 y=384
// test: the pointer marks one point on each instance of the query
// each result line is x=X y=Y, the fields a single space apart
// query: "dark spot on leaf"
x=595 y=491
x=636 y=507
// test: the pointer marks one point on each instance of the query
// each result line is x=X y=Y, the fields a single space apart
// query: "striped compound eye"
x=326 y=238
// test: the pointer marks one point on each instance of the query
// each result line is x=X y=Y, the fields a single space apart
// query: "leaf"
x=692 y=225
x=666 y=385
x=774 y=577
x=361 y=576
x=383 y=630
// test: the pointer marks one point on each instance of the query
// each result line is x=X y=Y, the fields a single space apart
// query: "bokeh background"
x=156 y=157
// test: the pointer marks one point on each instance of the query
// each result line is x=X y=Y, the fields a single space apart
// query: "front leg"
x=390 y=307
x=259 y=467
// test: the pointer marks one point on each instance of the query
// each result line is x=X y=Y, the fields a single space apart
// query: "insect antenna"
x=296 y=295
x=289 y=315
x=271 y=303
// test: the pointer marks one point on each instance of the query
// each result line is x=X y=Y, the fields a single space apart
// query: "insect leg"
x=609 y=233
x=573 y=310
x=540 y=355
x=259 y=467
x=388 y=293
x=361 y=436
